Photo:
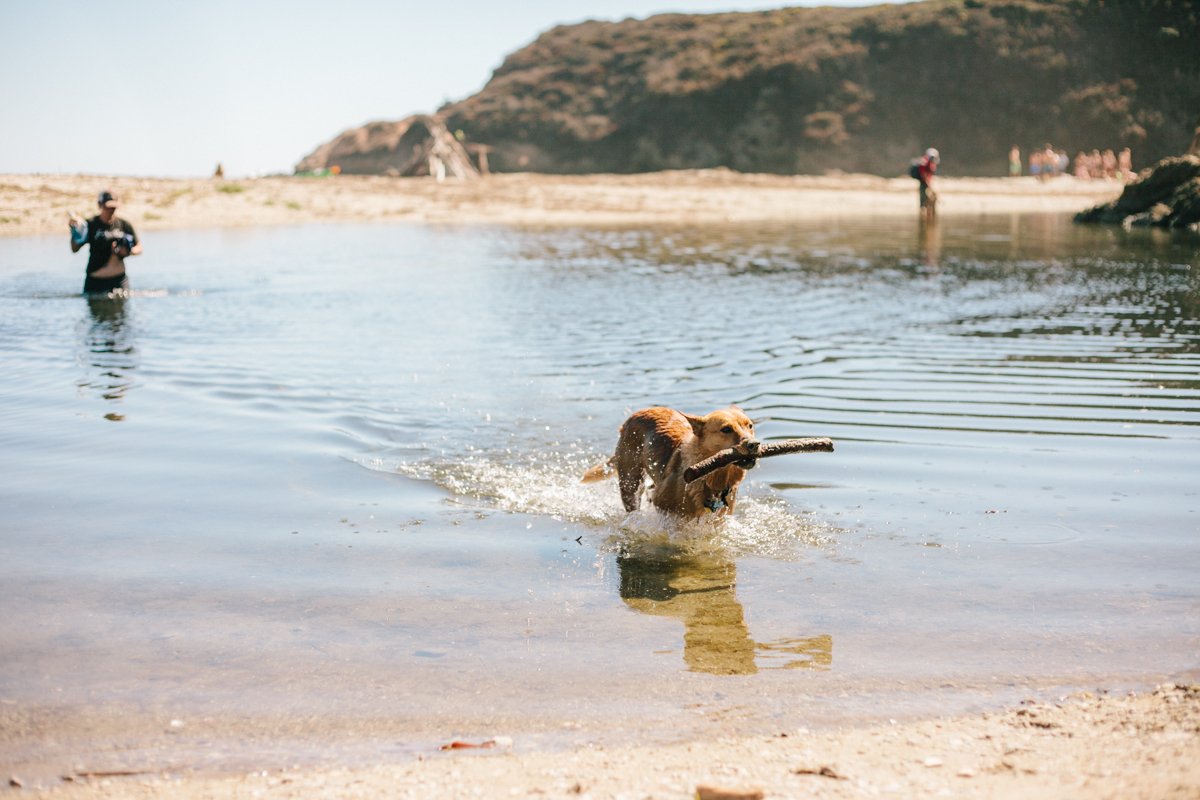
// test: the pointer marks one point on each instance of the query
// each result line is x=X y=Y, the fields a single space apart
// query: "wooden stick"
x=731 y=456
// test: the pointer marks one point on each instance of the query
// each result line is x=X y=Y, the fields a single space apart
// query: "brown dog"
x=664 y=443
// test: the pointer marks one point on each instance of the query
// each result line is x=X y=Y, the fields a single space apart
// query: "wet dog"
x=663 y=443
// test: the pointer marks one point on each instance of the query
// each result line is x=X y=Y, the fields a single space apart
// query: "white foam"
x=763 y=524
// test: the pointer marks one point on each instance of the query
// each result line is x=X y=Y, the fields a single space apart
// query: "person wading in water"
x=111 y=240
x=925 y=168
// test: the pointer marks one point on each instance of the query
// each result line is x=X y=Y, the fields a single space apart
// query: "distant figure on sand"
x=111 y=240
x=1108 y=163
x=219 y=172
x=1125 y=164
x=1035 y=164
x=1014 y=162
x=925 y=169
x=1081 y=167
x=1049 y=162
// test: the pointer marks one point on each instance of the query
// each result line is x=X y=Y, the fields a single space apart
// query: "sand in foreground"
x=1081 y=747
x=41 y=203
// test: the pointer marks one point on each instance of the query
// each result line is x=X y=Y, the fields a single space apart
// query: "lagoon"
x=312 y=492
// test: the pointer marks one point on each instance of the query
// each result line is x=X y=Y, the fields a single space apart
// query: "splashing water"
x=763 y=525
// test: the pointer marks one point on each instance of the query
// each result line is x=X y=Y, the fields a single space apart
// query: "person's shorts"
x=117 y=283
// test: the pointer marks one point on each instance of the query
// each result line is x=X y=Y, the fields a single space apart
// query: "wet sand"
x=41 y=203
x=1081 y=746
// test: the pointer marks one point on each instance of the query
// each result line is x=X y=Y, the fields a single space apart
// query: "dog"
x=663 y=443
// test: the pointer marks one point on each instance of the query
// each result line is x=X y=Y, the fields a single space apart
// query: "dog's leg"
x=631 y=482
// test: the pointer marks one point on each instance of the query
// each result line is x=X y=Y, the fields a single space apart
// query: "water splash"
x=762 y=525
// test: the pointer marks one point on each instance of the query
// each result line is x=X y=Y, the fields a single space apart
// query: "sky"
x=170 y=88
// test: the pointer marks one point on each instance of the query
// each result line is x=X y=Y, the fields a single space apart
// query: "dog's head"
x=720 y=430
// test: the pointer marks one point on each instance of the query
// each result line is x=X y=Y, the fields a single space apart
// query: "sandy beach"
x=1081 y=746
x=31 y=204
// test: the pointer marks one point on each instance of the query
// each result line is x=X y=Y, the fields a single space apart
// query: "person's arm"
x=77 y=246
x=136 y=250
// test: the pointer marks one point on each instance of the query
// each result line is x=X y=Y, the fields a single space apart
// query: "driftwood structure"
x=439 y=155
x=416 y=145
x=731 y=456
x=481 y=151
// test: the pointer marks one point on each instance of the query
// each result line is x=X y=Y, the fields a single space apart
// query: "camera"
x=122 y=242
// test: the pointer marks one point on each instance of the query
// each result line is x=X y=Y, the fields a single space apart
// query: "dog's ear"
x=697 y=423
x=736 y=408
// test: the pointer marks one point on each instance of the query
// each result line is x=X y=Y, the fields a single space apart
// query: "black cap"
x=108 y=199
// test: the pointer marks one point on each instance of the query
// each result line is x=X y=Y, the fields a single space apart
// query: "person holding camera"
x=112 y=240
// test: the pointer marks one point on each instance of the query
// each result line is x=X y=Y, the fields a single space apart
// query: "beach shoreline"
x=1083 y=745
x=40 y=204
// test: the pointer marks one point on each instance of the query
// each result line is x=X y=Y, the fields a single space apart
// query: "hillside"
x=805 y=90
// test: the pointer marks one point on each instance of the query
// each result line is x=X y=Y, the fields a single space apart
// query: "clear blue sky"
x=170 y=88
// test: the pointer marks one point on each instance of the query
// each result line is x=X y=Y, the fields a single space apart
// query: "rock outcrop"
x=807 y=90
x=1166 y=195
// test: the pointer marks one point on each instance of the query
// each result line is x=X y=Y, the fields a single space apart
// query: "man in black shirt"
x=111 y=239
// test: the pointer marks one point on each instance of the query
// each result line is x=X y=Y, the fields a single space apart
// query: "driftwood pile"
x=439 y=155
x=1166 y=195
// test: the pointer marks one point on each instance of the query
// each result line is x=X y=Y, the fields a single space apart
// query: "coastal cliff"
x=807 y=90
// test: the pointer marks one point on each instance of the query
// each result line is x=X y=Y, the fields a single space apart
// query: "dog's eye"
x=727 y=429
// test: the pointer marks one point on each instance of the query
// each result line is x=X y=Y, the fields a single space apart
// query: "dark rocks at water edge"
x=809 y=90
x=1166 y=195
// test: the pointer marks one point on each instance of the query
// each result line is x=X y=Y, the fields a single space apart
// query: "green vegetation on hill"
x=805 y=90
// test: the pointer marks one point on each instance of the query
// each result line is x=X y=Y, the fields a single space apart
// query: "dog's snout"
x=749 y=447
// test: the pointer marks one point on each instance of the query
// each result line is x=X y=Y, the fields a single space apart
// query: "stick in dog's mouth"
x=733 y=456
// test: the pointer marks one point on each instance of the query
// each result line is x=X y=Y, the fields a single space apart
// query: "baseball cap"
x=108 y=198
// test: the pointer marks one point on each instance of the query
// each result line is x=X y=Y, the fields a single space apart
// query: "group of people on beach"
x=1104 y=166
x=1047 y=163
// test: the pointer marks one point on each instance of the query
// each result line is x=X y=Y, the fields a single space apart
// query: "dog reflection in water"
x=699 y=589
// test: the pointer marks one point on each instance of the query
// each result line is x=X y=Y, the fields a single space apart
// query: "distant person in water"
x=111 y=240
x=926 y=167
x=1014 y=162
x=1035 y=164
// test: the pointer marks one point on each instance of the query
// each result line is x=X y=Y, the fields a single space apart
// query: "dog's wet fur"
x=663 y=443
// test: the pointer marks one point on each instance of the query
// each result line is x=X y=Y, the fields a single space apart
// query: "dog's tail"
x=599 y=472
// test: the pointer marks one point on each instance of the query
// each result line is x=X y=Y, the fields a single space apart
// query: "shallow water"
x=313 y=492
